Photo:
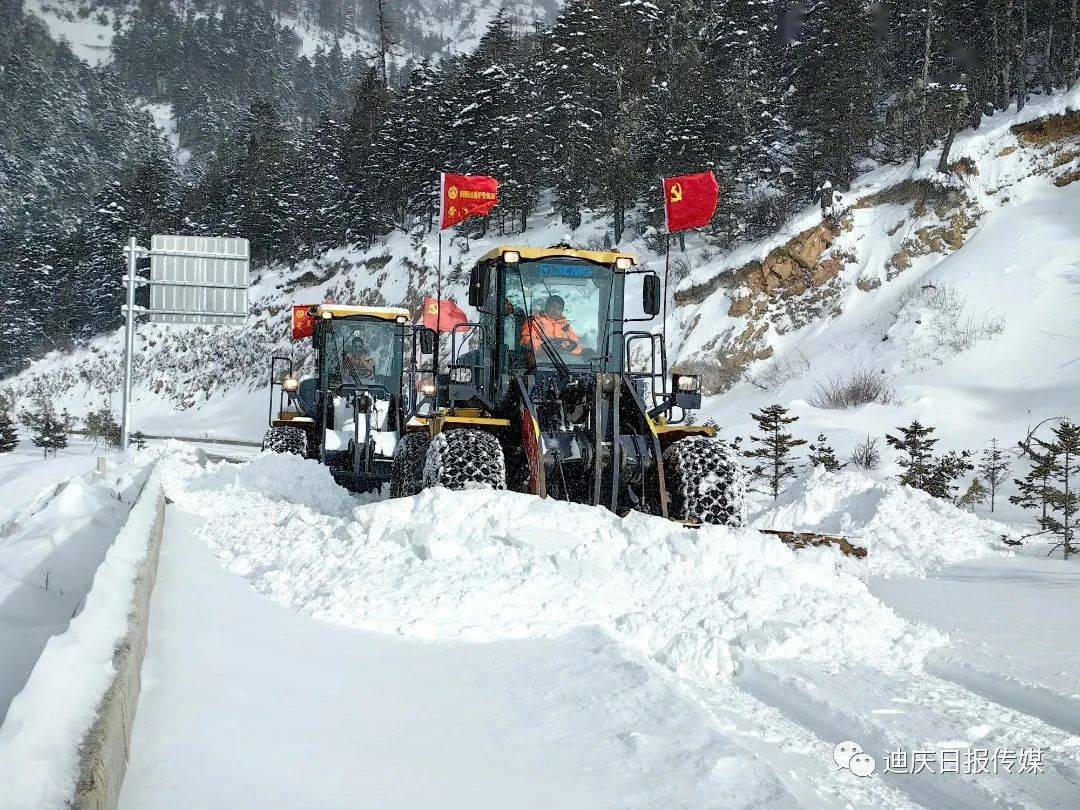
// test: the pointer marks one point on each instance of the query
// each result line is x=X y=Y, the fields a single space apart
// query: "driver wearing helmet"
x=357 y=363
x=551 y=323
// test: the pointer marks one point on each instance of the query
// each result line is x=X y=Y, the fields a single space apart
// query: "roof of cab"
x=528 y=253
x=345 y=310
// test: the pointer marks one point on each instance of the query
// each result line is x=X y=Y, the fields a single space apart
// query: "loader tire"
x=705 y=481
x=407 y=469
x=465 y=459
x=285 y=439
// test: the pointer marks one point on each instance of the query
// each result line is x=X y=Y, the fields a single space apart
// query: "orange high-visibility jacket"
x=558 y=330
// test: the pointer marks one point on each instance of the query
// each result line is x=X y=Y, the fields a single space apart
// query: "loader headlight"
x=462 y=375
x=623 y=263
x=290 y=384
x=427 y=389
x=687 y=383
x=511 y=256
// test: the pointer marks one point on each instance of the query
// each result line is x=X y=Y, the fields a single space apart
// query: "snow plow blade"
x=804 y=539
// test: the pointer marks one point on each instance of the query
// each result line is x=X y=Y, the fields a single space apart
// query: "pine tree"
x=821 y=453
x=775 y=446
x=9 y=434
x=1063 y=495
x=916 y=444
x=1034 y=487
x=50 y=429
x=992 y=469
x=945 y=471
x=974 y=495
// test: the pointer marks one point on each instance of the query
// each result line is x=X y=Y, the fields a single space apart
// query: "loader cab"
x=549 y=312
x=353 y=408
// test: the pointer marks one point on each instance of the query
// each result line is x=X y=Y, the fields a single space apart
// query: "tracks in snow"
x=890 y=711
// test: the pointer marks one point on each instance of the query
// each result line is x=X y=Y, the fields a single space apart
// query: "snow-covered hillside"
x=959 y=291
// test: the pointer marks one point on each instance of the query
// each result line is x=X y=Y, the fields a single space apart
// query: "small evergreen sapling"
x=774 y=446
x=992 y=469
x=821 y=453
x=973 y=496
x=917 y=448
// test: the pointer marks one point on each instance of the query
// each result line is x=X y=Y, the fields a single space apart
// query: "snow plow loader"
x=554 y=392
x=351 y=412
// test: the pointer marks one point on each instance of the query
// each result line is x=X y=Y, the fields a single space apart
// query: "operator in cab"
x=357 y=364
x=551 y=323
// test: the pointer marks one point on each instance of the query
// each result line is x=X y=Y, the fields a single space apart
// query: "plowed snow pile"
x=483 y=566
x=906 y=530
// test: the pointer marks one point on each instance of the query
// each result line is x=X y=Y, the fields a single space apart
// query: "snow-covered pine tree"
x=821 y=453
x=774 y=446
x=992 y=468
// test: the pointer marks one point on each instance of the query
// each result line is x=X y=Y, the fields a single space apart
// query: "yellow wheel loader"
x=556 y=390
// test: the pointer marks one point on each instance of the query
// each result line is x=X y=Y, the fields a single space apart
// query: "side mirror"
x=478 y=285
x=427 y=340
x=650 y=295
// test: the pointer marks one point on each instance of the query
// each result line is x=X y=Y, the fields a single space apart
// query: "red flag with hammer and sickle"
x=690 y=201
x=465 y=195
x=303 y=322
x=443 y=316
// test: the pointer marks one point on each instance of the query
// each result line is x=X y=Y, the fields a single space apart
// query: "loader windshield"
x=564 y=305
x=362 y=351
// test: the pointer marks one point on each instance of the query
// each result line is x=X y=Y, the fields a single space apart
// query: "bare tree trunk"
x=1021 y=62
x=384 y=42
x=924 y=80
x=1048 y=67
x=1072 y=44
x=1006 y=48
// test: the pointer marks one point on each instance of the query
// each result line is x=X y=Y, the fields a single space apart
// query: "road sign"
x=193 y=279
x=198 y=279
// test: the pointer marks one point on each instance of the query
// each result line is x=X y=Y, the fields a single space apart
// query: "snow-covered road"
x=625 y=662
x=248 y=704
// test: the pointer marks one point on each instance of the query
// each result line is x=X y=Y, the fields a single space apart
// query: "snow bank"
x=299 y=481
x=485 y=566
x=48 y=719
x=906 y=530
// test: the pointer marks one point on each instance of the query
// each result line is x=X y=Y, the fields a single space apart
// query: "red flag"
x=690 y=201
x=465 y=195
x=303 y=322
x=444 y=318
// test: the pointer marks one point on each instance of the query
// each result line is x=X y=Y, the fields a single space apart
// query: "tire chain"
x=407 y=470
x=465 y=459
x=285 y=439
x=706 y=481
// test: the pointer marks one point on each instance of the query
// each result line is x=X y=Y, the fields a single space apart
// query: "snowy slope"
x=973 y=327
x=977 y=336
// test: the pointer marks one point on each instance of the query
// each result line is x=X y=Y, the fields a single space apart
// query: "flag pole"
x=667 y=273
x=438 y=318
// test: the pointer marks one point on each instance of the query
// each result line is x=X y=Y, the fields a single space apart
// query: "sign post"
x=193 y=279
